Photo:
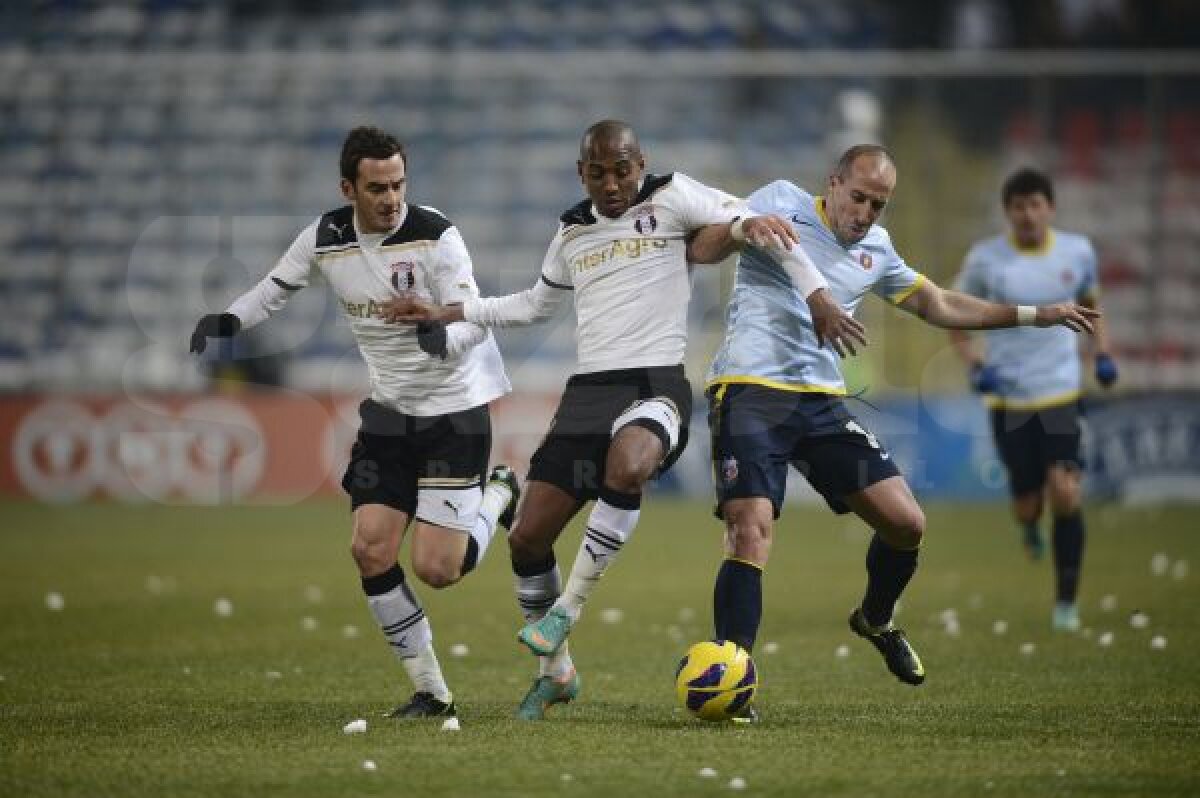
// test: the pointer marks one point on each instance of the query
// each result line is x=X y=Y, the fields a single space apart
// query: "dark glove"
x=1106 y=369
x=214 y=325
x=984 y=379
x=431 y=337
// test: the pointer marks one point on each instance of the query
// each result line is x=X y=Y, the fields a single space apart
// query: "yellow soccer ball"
x=715 y=680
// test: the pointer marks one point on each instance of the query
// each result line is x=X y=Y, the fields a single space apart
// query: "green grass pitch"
x=137 y=687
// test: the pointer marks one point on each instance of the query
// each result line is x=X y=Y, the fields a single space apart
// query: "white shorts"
x=452 y=508
x=659 y=415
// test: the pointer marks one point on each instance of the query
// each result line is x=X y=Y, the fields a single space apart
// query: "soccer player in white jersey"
x=422 y=449
x=775 y=396
x=624 y=415
x=1032 y=377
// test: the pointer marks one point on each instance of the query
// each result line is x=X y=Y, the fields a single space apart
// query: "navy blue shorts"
x=757 y=432
x=1030 y=441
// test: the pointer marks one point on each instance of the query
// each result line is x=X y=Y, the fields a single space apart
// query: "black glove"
x=214 y=325
x=431 y=337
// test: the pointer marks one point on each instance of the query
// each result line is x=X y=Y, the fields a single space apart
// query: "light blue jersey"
x=1037 y=366
x=769 y=336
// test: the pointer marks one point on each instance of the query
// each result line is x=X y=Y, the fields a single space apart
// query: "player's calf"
x=904 y=529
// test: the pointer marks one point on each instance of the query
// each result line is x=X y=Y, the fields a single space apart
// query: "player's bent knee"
x=751 y=543
x=371 y=557
x=526 y=546
x=627 y=474
x=1065 y=489
x=437 y=573
x=748 y=530
x=1065 y=500
x=906 y=529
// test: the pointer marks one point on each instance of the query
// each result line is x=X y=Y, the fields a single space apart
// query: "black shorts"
x=395 y=454
x=757 y=432
x=1030 y=441
x=573 y=453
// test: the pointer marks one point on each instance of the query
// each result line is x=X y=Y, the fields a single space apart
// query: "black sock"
x=536 y=568
x=470 y=557
x=888 y=572
x=385 y=582
x=1068 y=554
x=737 y=602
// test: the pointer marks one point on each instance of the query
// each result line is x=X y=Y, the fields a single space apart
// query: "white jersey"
x=629 y=276
x=424 y=255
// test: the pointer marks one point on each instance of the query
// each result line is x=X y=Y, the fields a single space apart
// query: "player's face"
x=377 y=193
x=1029 y=216
x=611 y=174
x=856 y=201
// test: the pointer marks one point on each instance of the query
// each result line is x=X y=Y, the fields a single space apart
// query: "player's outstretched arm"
x=714 y=243
x=526 y=307
x=954 y=310
x=249 y=309
x=268 y=296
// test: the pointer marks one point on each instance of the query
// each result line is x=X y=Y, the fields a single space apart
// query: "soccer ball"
x=715 y=679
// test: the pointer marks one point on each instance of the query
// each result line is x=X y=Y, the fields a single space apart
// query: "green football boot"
x=545 y=692
x=544 y=636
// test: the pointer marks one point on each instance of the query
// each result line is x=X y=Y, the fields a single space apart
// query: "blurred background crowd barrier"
x=157 y=157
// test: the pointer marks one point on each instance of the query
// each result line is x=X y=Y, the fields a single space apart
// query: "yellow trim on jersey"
x=779 y=386
x=424 y=242
x=998 y=403
x=820 y=203
x=358 y=250
x=744 y=562
x=448 y=482
x=1040 y=249
x=897 y=298
x=341 y=253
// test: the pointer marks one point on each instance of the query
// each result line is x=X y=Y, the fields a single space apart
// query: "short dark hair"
x=368 y=142
x=1024 y=182
x=842 y=169
x=606 y=130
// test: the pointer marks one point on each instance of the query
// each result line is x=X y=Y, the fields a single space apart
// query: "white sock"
x=558 y=665
x=426 y=674
x=496 y=497
x=608 y=528
x=536 y=594
x=406 y=628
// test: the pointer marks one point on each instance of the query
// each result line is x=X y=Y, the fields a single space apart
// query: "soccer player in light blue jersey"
x=775 y=395
x=1031 y=377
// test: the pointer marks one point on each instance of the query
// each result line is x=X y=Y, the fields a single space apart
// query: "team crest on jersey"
x=1068 y=277
x=729 y=470
x=865 y=260
x=644 y=221
x=402 y=275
